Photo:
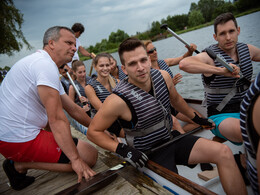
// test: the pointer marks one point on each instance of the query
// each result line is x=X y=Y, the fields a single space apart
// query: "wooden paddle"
x=104 y=178
x=91 y=67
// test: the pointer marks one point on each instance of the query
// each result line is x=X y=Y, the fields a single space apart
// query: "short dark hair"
x=223 y=18
x=78 y=27
x=129 y=44
x=53 y=33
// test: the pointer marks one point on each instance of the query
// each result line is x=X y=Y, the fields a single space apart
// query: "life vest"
x=154 y=121
x=249 y=134
x=81 y=91
x=65 y=83
x=121 y=74
x=162 y=64
x=101 y=92
x=226 y=90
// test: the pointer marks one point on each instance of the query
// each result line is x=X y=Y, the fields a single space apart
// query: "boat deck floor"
x=128 y=181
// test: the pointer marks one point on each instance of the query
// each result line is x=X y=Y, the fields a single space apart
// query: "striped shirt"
x=249 y=134
x=150 y=111
x=101 y=92
x=223 y=82
x=163 y=66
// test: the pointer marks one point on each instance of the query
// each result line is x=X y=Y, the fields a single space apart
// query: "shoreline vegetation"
x=165 y=34
x=197 y=18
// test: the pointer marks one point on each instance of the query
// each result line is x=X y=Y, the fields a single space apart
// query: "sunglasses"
x=151 y=50
x=62 y=66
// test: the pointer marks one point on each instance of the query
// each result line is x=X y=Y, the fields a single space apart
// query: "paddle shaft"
x=177 y=37
x=172 y=140
x=91 y=67
x=75 y=87
x=72 y=82
x=102 y=178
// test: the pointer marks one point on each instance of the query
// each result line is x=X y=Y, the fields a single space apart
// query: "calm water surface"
x=191 y=85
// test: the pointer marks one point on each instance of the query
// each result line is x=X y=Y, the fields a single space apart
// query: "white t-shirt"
x=76 y=55
x=22 y=114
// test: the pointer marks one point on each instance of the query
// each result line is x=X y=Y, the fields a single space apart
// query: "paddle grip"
x=219 y=59
x=196 y=51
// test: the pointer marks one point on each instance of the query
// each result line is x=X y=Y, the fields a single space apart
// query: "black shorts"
x=63 y=158
x=177 y=153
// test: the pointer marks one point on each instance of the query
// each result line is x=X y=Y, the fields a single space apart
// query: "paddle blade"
x=95 y=183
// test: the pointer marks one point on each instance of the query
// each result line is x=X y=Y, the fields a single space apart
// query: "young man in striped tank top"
x=219 y=83
x=142 y=105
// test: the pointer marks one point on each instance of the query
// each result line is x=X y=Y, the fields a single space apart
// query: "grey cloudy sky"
x=100 y=18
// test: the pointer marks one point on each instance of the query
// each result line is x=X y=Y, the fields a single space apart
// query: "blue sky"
x=100 y=18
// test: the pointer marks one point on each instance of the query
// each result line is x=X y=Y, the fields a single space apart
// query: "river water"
x=191 y=84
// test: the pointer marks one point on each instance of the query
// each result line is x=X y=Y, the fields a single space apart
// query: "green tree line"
x=199 y=13
x=203 y=12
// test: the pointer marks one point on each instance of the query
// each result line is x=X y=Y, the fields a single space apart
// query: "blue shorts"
x=218 y=118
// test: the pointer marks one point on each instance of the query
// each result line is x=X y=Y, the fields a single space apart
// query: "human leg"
x=87 y=152
x=34 y=155
x=230 y=128
x=227 y=127
x=176 y=125
x=213 y=152
x=17 y=180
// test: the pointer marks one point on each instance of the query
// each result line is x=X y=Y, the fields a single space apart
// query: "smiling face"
x=112 y=64
x=103 y=67
x=137 y=66
x=153 y=55
x=81 y=73
x=227 y=35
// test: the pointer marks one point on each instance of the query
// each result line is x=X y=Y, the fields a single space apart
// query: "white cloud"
x=100 y=18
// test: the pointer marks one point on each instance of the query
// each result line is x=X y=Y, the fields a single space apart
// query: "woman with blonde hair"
x=100 y=88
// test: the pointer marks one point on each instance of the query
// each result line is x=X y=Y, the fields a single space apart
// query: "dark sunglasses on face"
x=62 y=66
x=151 y=50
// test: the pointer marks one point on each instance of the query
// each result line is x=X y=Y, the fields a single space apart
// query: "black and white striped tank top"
x=249 y=134
x=150 y=111
x=222 y=82
x=101 y=92
x=81 y=91
x=121 y=74
x=162 y=64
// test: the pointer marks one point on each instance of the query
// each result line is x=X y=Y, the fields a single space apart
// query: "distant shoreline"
x=83 y=58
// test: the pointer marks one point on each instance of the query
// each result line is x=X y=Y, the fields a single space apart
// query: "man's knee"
x=224 y=153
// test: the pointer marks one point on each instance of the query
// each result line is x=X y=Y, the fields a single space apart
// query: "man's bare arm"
x=203 y=64
x=75 y=111
x=176 y=100
x=176 y=61
x=92 y=97
x=60 y=128
x=112 y=109
x=84 y=52
x=254 y=53
x=181 y=105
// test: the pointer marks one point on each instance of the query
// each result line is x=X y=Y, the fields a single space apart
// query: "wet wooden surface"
x=128 y=181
